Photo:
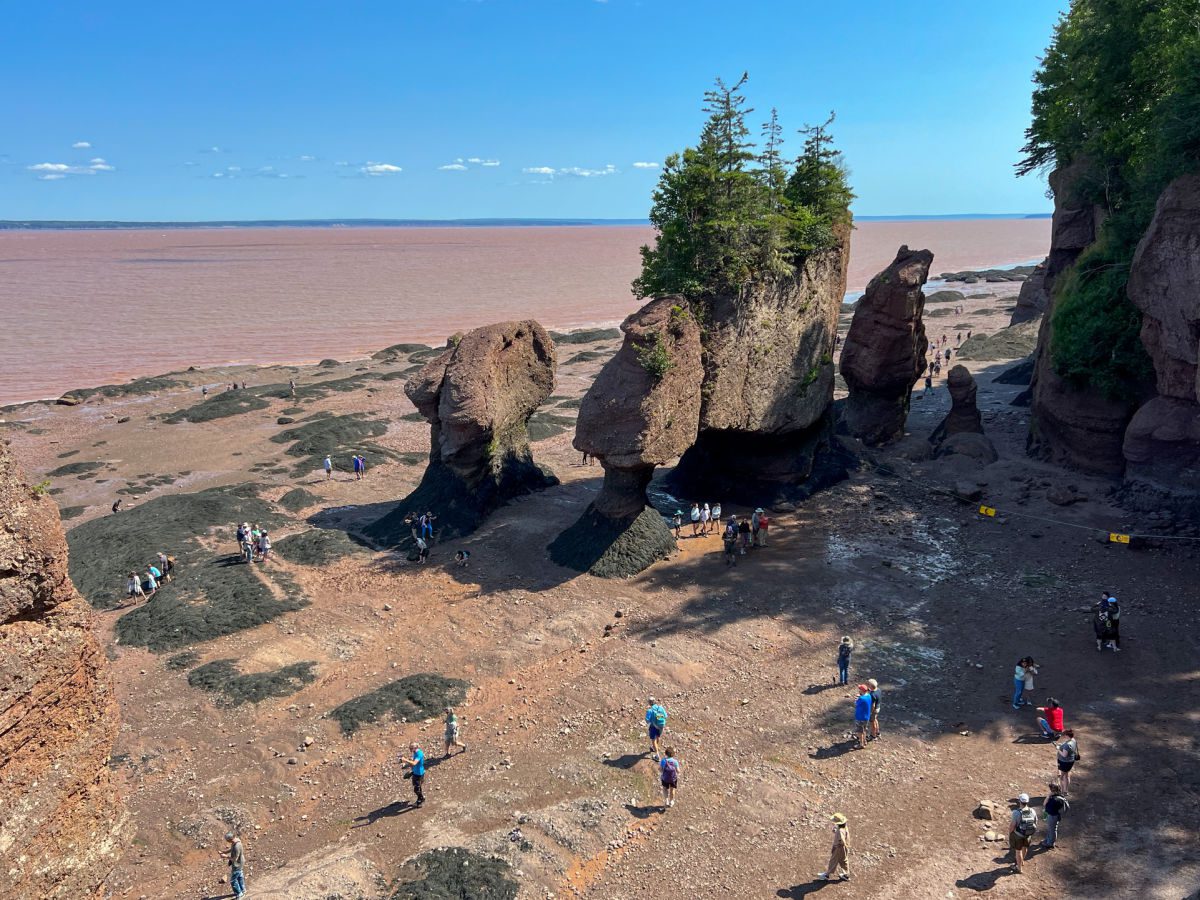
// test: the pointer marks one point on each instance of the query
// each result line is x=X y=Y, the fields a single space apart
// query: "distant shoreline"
x=114 y=225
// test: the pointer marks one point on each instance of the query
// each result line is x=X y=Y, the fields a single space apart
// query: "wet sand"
x=92 y=307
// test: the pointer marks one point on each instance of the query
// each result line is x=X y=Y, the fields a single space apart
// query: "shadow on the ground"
x=628 y=761
x=841 y=748
x=802 y=890
x=395 y=808
x=643 y=812
x=821 y=688
x=984 y=881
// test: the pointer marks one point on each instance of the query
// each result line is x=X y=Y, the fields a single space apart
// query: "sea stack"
x=884 y=353
x=642 y=411
x=768 y=384
x=63 y=828
x=1162 y=443
x=477 y=395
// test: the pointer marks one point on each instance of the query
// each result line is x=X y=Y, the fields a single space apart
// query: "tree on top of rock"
x=728 y=216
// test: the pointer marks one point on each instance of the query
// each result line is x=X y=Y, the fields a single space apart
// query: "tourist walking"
x=1051 y=720
x=862 y=715
x=292 y=387
x=705 y=519
x=764 y=526
x=416 y=763
x=451 y=735
x=677 y=522
x=236 y=857
x=874 y=686
x=328 y=467
x=754 y=526
x=845 y=648
x=695 y=516
x=1054 y=807
x=264 y=545
x=357 y=467
x=656 y=724
x=164 y=566
x=426 y=523
x=929 y=382
x=729 y=539
x=1068 y=755
x=716 y=515
x=1024 y=827
x=1114 y=620
x=744 y=535
x=839 y=856
x=669 y=770
x=151 y=584
x=134 y=586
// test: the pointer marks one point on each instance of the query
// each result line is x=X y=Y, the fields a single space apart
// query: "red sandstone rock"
x=62 y=827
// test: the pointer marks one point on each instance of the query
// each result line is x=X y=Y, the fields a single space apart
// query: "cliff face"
x=1162 y=443
x=1081 y=428
x=61 y=825
x=884 y=354
x=768 y=384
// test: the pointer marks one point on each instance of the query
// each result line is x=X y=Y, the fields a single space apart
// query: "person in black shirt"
x=1054 y=807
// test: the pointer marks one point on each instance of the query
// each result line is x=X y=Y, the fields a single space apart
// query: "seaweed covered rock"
x=63 y=827
x=768 y=384
x=478 y=395
x=963 y=419
x=452 y=872
x=884 y=353
x=642 y=411
x=1162 y=443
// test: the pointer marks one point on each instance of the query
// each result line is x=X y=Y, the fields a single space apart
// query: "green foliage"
x=41 y=488
x=654 y=357
x=727 y=216
x=1096 y=340
x=1118 y=93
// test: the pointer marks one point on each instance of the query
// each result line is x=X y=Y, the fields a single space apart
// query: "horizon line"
x=481 y=221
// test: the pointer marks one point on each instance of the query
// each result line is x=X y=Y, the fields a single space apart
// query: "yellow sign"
x=1118 y=538
x=987 y=511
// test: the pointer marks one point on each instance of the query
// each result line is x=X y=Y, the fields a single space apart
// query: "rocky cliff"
x=642 y=411
x=62 y=826
x=1162 y=443
x=768 y=385
x=884 y=353
x=1076 y=426
x=478 y=396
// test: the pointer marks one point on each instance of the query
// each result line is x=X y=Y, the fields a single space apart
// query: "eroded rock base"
x=613 y=548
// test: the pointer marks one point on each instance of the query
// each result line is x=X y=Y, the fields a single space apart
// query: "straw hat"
x=838 y=819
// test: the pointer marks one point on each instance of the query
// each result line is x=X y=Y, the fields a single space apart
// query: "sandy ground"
x=940 y=600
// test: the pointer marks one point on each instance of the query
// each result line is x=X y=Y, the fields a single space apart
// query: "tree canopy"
x=1118 y=92
x=730 y=212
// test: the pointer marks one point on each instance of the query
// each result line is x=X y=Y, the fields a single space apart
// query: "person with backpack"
x=669 y=768
x=744 y=534
x=1051 y=722
x=1024 y=827
x=874 y=686
x=730 y=539
x=656 y=724
x=862 y=715
x=164 y=565
x=1113 y=610
x=845 y=648
x=1054 y=807
x=1068 y=755
x=235 y=856
x=839 y=856
x=416 y=763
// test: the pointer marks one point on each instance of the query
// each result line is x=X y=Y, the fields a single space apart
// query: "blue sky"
x=474 y=108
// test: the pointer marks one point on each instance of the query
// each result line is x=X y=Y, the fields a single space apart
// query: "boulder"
x=964 y=416
x=1032 y=299
x=1017 y=373
x=884 y=352
x=642 y=411
x=63 y=827
x=477 y=395
x=1162 y=451
x=975 y=447
x=765 y=431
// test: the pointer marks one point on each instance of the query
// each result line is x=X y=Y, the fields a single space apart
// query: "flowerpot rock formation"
x=884 y=353
x=478 y=396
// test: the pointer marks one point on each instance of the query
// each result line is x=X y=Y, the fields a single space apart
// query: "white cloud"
x=453 y=167
x=52 y=176
x=645 y=165
x=378 y=168
x=218 y=174
x=62 y=170
x=233 y=168
x=307 y=158
x=190 y=163
x=81 y=145
x=341 y=162
x=578 y=172
x=540 y=170
x=490 y=163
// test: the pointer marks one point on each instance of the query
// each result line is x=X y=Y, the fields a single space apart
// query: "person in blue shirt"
x=656 y=724
x=416 y=762
x=862 y=714
x=151 y=584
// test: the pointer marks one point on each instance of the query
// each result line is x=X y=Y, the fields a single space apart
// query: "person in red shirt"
x=1051 y=720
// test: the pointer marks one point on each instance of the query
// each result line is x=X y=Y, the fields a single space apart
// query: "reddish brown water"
x=90 y=307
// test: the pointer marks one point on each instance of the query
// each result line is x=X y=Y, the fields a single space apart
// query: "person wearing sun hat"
x=839 y=857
